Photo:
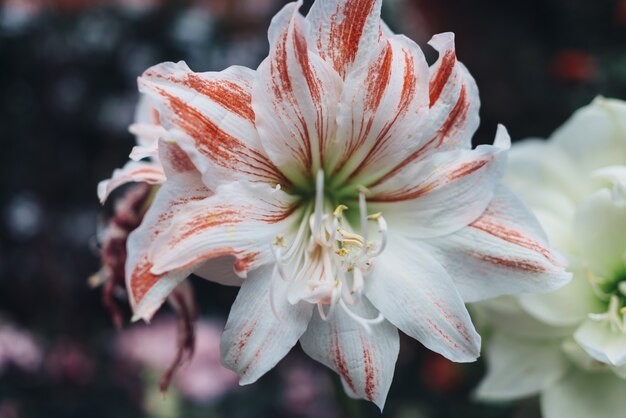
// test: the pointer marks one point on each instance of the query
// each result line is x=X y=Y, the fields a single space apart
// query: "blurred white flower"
x=570 y=345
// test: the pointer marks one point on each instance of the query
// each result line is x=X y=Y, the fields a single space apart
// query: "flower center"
x=613 y=292
x=327 y=262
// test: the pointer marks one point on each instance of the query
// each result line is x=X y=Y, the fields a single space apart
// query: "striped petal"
x=443 y=193
x=262 y=326
x=239 y=220
x=504 y=251
x=346 y=32
x=133 y=171
x=148 y=291
x=210 y=116
x=413 y=291
x=295 y=98
x=452 y=118
x=381 y=110
x=365 y=361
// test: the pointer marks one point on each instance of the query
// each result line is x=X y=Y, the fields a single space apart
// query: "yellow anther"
x=342 y=252
x=375 y=216
x=279 y=241
x=339 y=210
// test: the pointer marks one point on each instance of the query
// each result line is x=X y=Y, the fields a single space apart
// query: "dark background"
x=68 y=73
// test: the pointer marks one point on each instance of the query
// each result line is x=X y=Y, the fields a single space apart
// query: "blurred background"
x=68 y=73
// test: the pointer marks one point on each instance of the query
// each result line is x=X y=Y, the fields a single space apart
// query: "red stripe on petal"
x=456 y=118
x=511 y=263
x=371 y=381
x=227 y=94
x=339 y=361
x=141 y=280
x=379 y=75
x=491 y=226
x=440 y=78
x=221 y=147
x=346 y=28
x=177 y=159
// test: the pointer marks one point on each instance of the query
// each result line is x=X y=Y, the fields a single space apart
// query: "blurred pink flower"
x=9 y=409
x=70 y=362
x=308 y=392
x=202 y=379
x=19 y=348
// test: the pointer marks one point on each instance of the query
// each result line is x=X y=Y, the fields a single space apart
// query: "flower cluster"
x=337 y=185
x=570 y=345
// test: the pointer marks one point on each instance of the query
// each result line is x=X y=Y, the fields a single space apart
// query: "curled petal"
x=239 y=220
x=148 y=291
x=443 y=193
x=210 y=116
x=133 y=171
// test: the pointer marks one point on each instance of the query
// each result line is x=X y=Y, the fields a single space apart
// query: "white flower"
x=339 y=179
x=147 y=129
x=570 y=345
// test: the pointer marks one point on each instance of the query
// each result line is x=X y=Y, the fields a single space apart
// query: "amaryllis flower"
x=338 y=180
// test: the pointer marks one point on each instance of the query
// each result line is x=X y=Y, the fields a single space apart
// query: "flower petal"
x=584 y=395
x=133 y=171
x=382 y=108
x=600 y=233
x=147 y=130
x=443 y=193
x=295 y=98
x=517 y=368
x=566 y=306
x=594 y=136
x=148 y=291
x=262 y=326
x=416 y=294
x=453 y=115
x=507 y=315
x=504 y=251
x=210 y=116
x=365 y=361
x=238 y=220
x=345 y=31
x=602 y=341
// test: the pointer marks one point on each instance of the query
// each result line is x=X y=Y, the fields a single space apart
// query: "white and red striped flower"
x=339 y=181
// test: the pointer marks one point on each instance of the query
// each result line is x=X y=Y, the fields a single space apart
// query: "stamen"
x=382 y=228
x=357 y=283
x=364 y=322
x=363 y=213
x=319 y=201
x=276 y=251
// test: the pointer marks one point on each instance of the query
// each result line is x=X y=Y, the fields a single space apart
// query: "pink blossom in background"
x=9 y=409
x=308 y=391
x=69 y=362
x=203 y=379
x=19 y=348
